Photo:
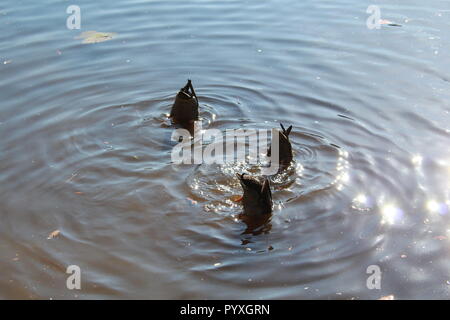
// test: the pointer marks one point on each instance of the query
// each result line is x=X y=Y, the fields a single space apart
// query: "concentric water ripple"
x=319 y=166
x=86 y=150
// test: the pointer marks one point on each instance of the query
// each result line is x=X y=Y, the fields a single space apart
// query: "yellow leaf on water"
x=236 y=198
x=54 y=234
x=94 y=36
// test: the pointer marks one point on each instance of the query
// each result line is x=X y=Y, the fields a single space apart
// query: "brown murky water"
x=86 y=149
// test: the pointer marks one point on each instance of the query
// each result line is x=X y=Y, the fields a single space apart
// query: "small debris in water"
x=7 y=61
x=71 y=178
x=94 y=36
x=248 y=249
x=389 y=297
x=389 y=23
x=217 y=264
x=403 y=256
x=192 y=200
x=236 y=198
x=270 y=248
x=53 y=235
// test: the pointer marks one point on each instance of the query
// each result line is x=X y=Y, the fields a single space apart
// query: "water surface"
x=86 y=149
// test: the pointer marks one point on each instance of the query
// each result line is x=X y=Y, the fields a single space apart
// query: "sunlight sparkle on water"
x=345 y=177
x=436 y=207
x=342 y=167
x=432 y=206
x=361 y=199
x=391 y=214
x=417 y=160
x=361 y=202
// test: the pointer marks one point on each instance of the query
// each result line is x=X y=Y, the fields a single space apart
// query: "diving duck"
x=185 y=108
x=285 y=148
x=257 y=198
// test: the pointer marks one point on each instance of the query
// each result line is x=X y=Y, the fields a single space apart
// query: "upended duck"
x=257 y=198
x=185 y=108
x=284 y=149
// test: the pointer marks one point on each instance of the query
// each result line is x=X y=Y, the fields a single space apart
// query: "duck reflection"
x=256 y=225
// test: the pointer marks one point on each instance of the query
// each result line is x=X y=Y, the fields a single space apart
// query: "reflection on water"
x=256 y=225
x=86 y=150
x=391 y=213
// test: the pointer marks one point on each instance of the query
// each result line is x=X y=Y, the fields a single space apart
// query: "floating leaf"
x=54 y=234
x=94 y=36
x=389 y=23
x=236 y=198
